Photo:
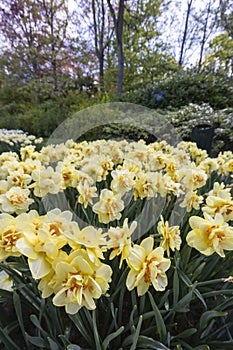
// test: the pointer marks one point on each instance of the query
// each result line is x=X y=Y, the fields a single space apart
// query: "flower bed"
x=116 y=245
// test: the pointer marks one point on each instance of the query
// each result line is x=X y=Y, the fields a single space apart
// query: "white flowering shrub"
x=192 y=115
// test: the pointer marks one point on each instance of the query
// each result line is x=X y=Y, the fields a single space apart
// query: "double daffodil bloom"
x=109 y=206
x=80 y=282
x=16 y=200
x=120 y=240
x=92 y=239
x=219 y=201
x=122 y=181
x=210 y=235
x=147 y=267
x=42 y=246
x=170 y=236
x=11 y=230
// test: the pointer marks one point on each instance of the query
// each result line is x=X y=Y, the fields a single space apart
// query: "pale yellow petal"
x=147 y=244
x=39 y=267
x=196 y=221
x=81 y=264
x=142 y=288
x=63 y=268
x=136 y=257
x=60 y=298
x=131 y=280
x=72 y=308
x=103 y=273
x=161 y=282
x=26 y=248
x=89 y=302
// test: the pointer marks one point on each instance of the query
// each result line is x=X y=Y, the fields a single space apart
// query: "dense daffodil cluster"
x=15 y=137
x=72 y=263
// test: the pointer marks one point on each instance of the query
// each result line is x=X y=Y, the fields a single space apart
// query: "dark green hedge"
x=184 y=88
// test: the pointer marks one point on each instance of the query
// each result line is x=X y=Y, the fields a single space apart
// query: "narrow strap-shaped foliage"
x=187 y=281
x=7 y=340
x=111 y=336
x=207 y=316
x=82 y=326
x=73 y=347
x=19 y=314
x=149 y=343
x=53 y=345
x=136 y=335
x=98 y=345
x=159 y=319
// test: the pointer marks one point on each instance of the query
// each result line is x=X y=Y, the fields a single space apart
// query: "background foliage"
x=56 y=60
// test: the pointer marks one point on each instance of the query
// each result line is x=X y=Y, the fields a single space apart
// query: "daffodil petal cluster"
x=170 y=236
x=210 y=234
x=42 y=242
x=220 y=201
x=147 y=267
x=78 y=282
x=120 y=240
x=109 y=207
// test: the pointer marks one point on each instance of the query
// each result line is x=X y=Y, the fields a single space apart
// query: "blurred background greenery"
x=59 y=57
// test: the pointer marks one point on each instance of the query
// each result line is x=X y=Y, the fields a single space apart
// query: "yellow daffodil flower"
x=80 y=282
x=120 y=240
x=16 y=200
x=122 y=181
x=210 y=235
x=89 y=237
x=46 y=181
x=170 y=236
x=41 y=246
x=221 y=203
x=109 y=207
x=147 y=267
x=191 y=200
x=86 y=193
x=11 y=230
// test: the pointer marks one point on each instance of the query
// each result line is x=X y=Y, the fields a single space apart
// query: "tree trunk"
x=185 y=32
x=118 y=24
x=204 y=37
x=99 y=39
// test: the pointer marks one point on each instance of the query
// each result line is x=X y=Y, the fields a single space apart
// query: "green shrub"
x=182 y=89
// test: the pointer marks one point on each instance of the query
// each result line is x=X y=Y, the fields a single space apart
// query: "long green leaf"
x=80 y=325
x=7 y=340
x=183 y=304
x=112 y=336
x=185 y=334
x=132 y=314
x=53 y=345
x=18 y=310
x=207 y=316
x=220 y=345
x=159 y=319
x=73 y=347
x=37 y=341
x=136 y=335
x=95 y=331
x=189 y=283
x=142 y=304
x=176 y=287
x=149 y=343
